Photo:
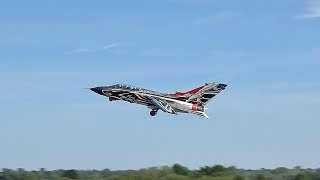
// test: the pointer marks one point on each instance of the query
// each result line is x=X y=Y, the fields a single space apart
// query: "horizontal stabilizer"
x=200 y=113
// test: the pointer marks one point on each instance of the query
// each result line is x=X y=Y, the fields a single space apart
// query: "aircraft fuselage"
x=190 y=102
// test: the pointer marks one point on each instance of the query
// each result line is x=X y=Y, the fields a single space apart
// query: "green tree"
x=216 y=170
x=238 y=177
x=174 y=177
x=260 y=177
x=10 y=174
x=71 y=174
x=302 y=176
x=181 y=170
x=205 y=171
x=280 y=170
x=29 y=176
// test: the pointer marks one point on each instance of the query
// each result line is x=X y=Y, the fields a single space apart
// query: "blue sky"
x=266 y=51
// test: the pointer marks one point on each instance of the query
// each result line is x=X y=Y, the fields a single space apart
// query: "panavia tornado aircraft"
x=192 y=101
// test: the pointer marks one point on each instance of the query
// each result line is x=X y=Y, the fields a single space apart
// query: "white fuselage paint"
x=176 y=104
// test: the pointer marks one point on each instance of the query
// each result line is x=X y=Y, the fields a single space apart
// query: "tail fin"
x=211 y=91
x=203 y=94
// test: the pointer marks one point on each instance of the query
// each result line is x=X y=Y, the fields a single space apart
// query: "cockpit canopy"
x=124 y=86
x=133 y=88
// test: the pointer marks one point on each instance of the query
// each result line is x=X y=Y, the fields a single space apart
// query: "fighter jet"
x=192 y=101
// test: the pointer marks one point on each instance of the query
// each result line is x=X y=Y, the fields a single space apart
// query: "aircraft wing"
x=161 y=104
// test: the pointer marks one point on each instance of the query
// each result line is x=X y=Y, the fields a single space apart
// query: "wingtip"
x=222 y=86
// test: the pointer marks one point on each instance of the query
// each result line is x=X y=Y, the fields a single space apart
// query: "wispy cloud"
x=156 y=52
x=303 y=98
x=222 y=53
x=193 y=2
x=92 y=50
x=213 y=18
x=312 y=10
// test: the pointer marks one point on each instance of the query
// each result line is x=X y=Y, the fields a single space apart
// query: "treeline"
x=175 y=172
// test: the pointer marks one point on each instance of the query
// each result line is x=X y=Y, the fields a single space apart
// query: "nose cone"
x=97 y=90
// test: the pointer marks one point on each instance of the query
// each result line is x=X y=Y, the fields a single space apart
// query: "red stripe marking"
x=193 y=91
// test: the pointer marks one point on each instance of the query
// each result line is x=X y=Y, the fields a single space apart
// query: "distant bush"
x=175 y=172
x=181 y=170
x=301 y=176
x=238 y=177
x=260 y=177
x=71 y=174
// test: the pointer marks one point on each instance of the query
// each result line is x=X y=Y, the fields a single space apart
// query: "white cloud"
x=110 y=46
x=79 y=50
x=312 y=10
x=92 y=50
